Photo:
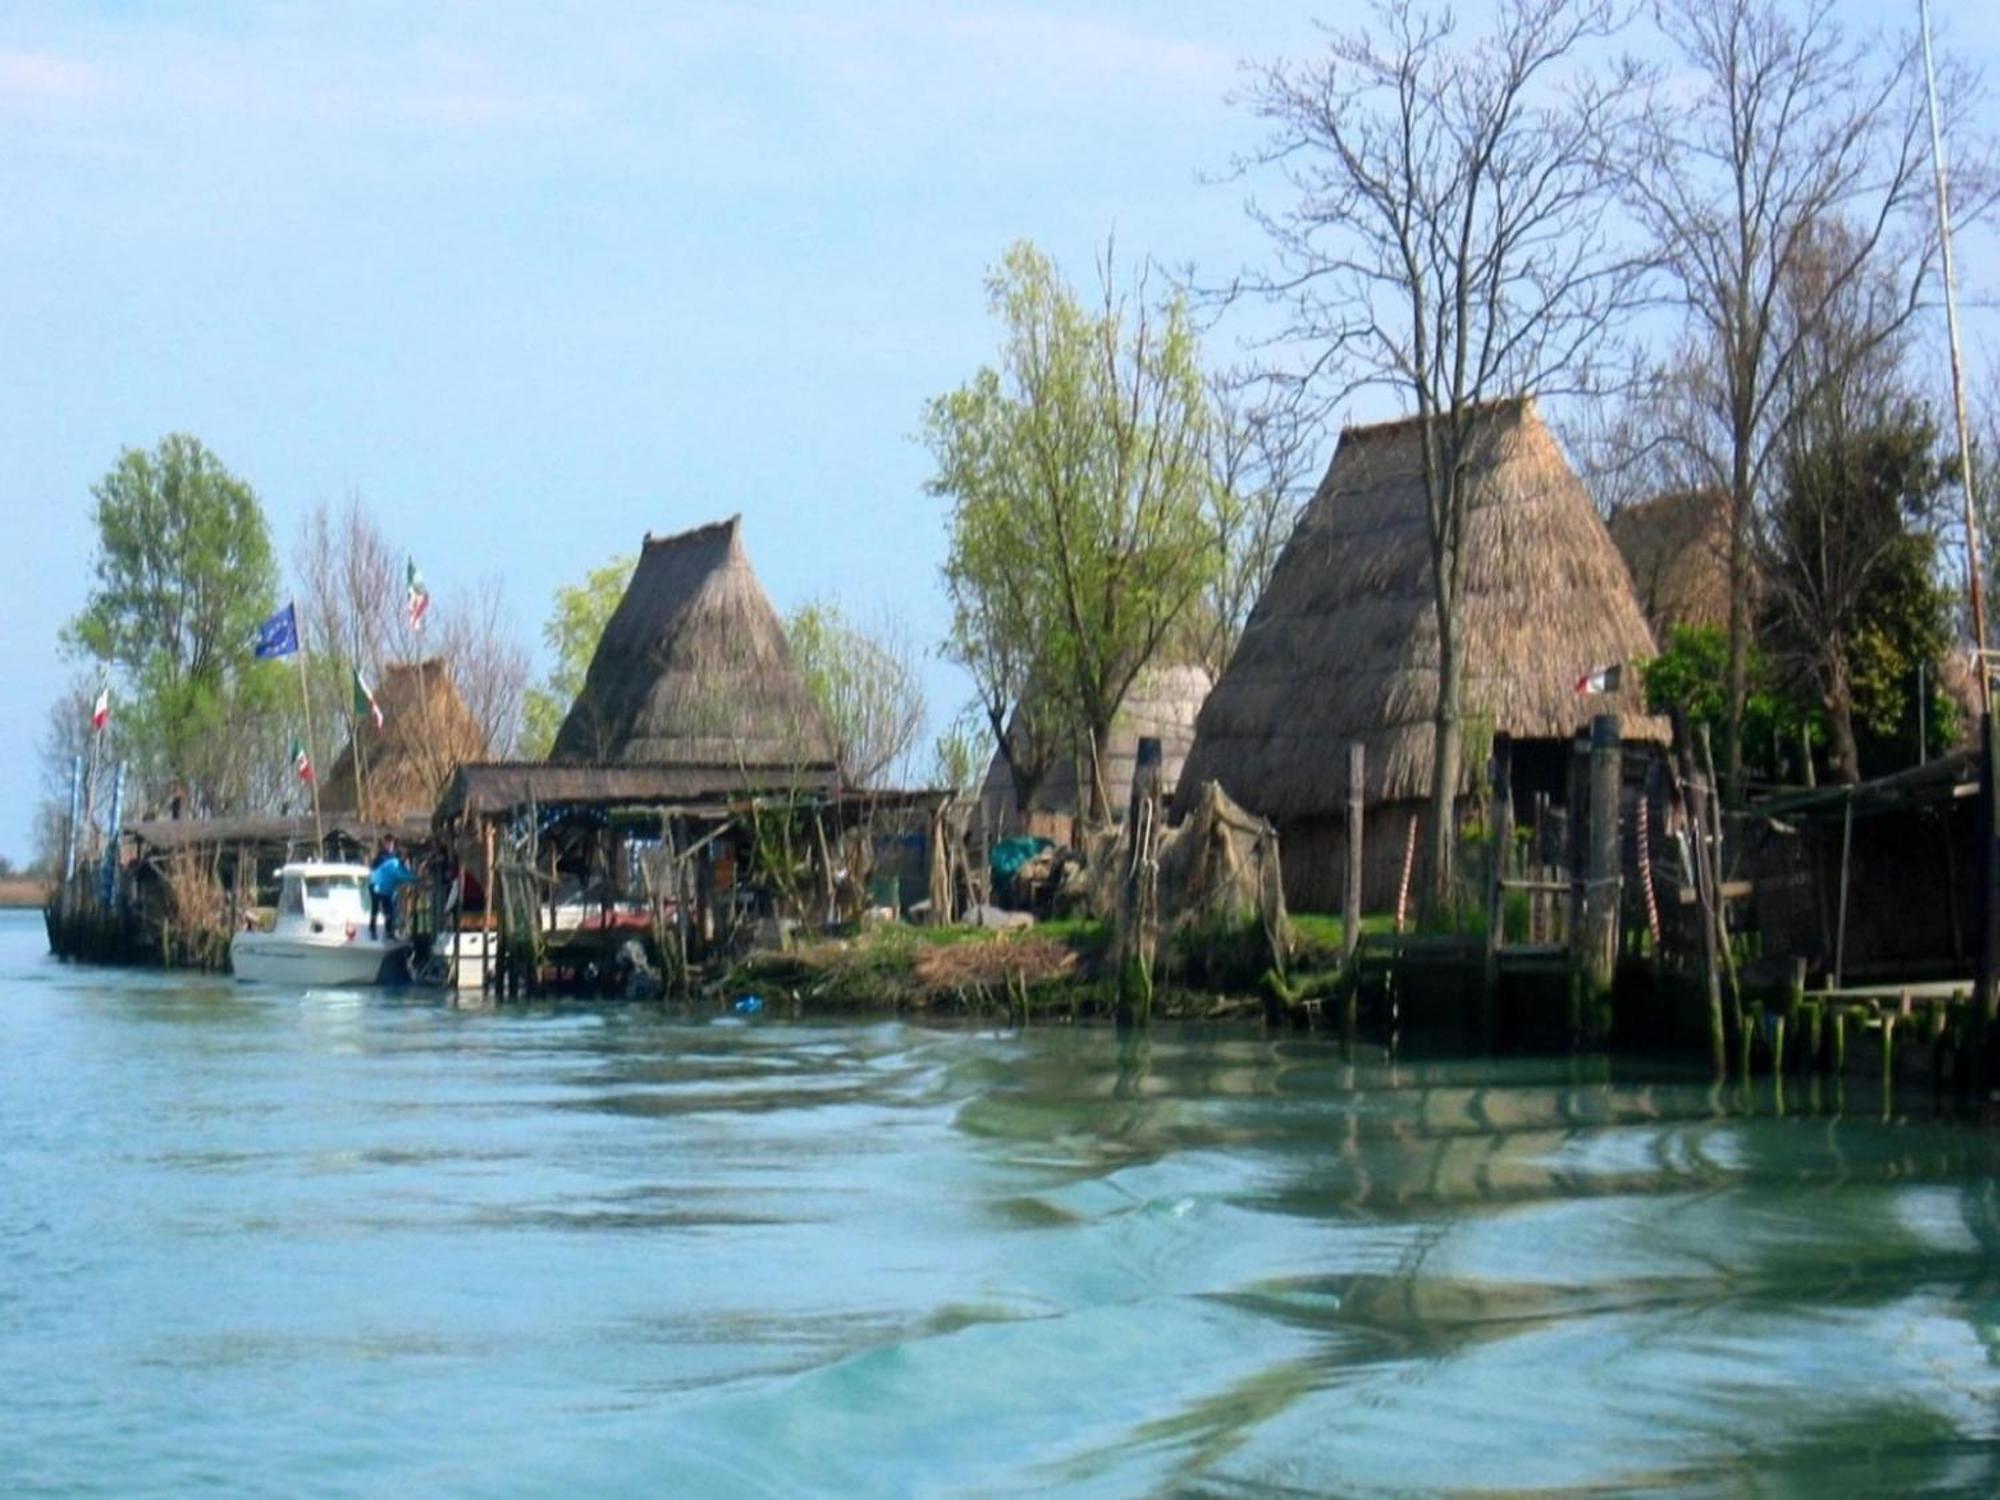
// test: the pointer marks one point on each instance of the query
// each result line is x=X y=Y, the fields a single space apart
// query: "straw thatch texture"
x=1343 y=644
x=427 y=733
x=694 y=668
x=1163 y=704
x=1677 y=547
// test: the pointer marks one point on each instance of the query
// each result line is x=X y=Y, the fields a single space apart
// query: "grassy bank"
x=22 y=890
x=1056 y=969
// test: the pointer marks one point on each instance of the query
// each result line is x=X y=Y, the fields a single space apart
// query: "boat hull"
x=274 y=958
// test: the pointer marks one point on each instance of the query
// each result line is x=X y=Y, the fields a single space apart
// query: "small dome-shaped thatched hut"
x=397 y=772
x=1677 y=547
x=1162 y=704
x=693 y=670
x=1343 y=646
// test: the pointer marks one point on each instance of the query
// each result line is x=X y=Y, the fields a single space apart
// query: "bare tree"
x=1260 y=456
x=866 y=685
x=349 y=581
x=487 y=663
x=1447 y=239
x=1777 y=126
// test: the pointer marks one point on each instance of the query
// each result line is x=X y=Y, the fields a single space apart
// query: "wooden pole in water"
x=70 y=833
x=1356 y=816
x=1989 y=869
x=490 y=978
x=1601 y=904
x=1576 y=851
x=1501 y=846
x=1704 y=880
x=1840 y=920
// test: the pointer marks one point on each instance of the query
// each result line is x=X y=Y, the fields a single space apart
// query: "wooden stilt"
x=1356 y=818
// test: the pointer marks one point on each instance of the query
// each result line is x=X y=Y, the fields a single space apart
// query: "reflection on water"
x=349 y=1242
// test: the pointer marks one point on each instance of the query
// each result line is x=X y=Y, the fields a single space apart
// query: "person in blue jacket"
x=385 y=884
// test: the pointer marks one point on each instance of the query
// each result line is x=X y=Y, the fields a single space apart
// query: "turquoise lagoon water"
x=267 y=1242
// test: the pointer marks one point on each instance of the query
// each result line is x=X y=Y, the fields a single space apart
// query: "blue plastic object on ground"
x=749 y=1005
x=1010 y=854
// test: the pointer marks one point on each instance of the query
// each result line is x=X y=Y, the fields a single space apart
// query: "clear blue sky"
x=535 y=278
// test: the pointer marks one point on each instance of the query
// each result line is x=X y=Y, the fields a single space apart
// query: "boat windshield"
x=320 y=887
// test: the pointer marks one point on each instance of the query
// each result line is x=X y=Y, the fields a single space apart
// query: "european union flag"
x=278 y=636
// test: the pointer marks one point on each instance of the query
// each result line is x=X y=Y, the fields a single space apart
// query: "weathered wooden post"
x=107 y=890
x=1501 y=846
x=489 y=980
x=1351 y=927
x=1846 y=862
x=1989 y=871
x=1576 y=851
x=1139 y=910
x=1602 y=868
x=1707 y=896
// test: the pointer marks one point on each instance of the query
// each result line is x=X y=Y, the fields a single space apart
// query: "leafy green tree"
x=1078 y=478
x=183 y=576
x=1691 y=676
x=866 y=685
x=582 y=610
x=1855 y=606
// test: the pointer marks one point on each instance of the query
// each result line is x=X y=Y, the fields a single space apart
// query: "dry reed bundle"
x=197 y=921
x=1000 y=964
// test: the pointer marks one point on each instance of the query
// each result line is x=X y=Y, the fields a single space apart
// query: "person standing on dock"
x=385 y=882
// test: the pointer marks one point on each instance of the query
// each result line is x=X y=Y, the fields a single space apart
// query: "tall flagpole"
x=305 y=698
x=1976 y=583
x=90 y=793
x=361 y=808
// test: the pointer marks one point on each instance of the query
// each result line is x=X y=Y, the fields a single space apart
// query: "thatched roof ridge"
x=1342 y=645
x=693 y=668
x=427 y=732
x=1163 y=703
x=1677 y=547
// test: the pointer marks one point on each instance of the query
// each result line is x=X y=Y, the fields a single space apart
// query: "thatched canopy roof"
x=262 y=835
x=497 y=788
x=427 y=732
x=1677 y=546
x=693 y=668
x=1343 y=644
x=1162 y=704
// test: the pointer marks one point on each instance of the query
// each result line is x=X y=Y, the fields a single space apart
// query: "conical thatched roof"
x=1162 y=704
x=1677 y=546
x=693 y=669
x=427 y=733
x=1343 y=644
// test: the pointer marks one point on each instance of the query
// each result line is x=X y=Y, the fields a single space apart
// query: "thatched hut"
x=1342 y=647
x=396 y=772
x=693 y=670
x=1162 y=704
x=1677 y=547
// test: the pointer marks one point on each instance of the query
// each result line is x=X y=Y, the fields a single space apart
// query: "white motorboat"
x=320 y=936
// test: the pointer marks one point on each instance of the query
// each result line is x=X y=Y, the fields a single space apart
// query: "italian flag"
x=1602 y=679
x=302 y=762
x=100 y=711
x=418 y=602
x=365 y=706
